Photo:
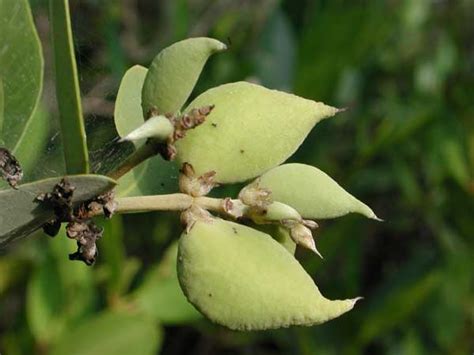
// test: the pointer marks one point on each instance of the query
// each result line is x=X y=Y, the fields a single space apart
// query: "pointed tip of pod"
x=350 y=303
x=156 y=127
x=375 y=218
x=316 y=251
x=221 y=47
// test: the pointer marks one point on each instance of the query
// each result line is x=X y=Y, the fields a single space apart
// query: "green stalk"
x=67 y=90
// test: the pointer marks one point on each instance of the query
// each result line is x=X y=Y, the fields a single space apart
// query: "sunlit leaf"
x=251 y=129
x=174 y=72
x=128 y=105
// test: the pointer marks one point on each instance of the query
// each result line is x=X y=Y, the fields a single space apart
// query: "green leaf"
x=174 y=72
x=20 y=215
x=251 y=129
x=111 y=332
x=243 y=279
x=33 y=142
x=21 y=69
x=154 y=176
x=128 y=105
x=399 y=305
x=31 y=147
x=311 y=192
x=73 y=132
x=2 y=108
x=276 y=52
x=45 y=302
x=160 y=295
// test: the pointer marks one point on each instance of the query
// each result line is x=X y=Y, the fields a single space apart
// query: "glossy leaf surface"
x=251 y=130
x=244 y=279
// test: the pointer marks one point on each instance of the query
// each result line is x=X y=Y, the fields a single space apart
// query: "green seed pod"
x=128 y=108
x=251 y=129
x=243 y=279
x=174 y=72
x=311 y=192
x=275 y=212
x=279 y=233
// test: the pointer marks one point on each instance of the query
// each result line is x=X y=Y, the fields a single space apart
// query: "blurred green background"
x=405 y=146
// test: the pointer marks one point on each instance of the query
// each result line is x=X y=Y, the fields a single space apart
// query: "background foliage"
x=405 y=70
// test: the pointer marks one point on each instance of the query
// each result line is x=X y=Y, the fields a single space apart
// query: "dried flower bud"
x=195 y=186
x=254 y=196
x=10 y=168
x=302 y=235
x=234 y=208
x=310 y=224
x=86 y=234
x=190 y=120
x=193 y=214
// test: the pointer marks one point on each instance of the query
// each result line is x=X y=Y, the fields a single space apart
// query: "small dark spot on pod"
x=242 y=151
x=214 y=124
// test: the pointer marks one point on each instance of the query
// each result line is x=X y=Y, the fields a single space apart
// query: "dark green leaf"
x=2 y=107
x=160 y=295
x=111 y=332
x=21 y=69
x=20 y=215
x=45 y=300
x=154 y=176
x=33 y=142
x=67 y=90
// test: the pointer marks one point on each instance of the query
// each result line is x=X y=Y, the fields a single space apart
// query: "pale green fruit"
x=244 y=279
x=312 y=192
x=275 y=212
x=128 y=113
x=174 y=72
x=251 y=129
x=279 y=233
